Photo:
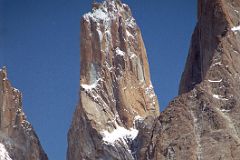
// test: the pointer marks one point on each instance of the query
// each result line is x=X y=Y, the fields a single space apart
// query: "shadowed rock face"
x=203 y=123
x=212 y=26
x=18 y=141
x=116 y=90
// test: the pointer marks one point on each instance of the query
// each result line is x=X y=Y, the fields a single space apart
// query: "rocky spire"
x=115 y=86
x=203 y=123
x=17 y=137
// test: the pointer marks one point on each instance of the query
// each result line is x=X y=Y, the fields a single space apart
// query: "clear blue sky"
x=39 y=43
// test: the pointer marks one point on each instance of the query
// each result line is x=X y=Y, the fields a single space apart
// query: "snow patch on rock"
x=132 y=56
x=119 y=134
x=219 y=97
x=26 y=126
x=235 y=51
x=97 y=15
x=119 y=52
x=225 y=110
x=89 y=87
x=4 y=155
x=237 y=28
x=217 y=64
x=137 y=119
x=129 y=34
x=215 y=81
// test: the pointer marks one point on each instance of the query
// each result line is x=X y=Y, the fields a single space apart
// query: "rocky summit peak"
x=115 y=87
x=107 y=11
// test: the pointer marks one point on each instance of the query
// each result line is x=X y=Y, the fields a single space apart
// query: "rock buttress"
x=203 y=122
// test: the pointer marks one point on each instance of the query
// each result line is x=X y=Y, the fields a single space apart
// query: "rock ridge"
x=18 y=140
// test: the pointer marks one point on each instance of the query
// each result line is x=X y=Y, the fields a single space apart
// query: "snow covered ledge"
x=119 y=134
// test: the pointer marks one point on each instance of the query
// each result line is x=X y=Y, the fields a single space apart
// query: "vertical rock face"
x=116 y=90
x=18 y=141
x=203 y=122
x=212 y=27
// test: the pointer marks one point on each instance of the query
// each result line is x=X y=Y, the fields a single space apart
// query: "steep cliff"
x=18 y=141
x=203 y=123
x=116 y=90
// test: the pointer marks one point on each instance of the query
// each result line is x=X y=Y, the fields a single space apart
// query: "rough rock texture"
x=18 y=141
x=203 y=123
x=116 y=90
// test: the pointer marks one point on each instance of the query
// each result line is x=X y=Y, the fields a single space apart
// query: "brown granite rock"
x=115 y=85
x=17 y=137
x=203 y=123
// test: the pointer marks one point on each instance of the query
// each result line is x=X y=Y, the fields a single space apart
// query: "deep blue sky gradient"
x=39 y=44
